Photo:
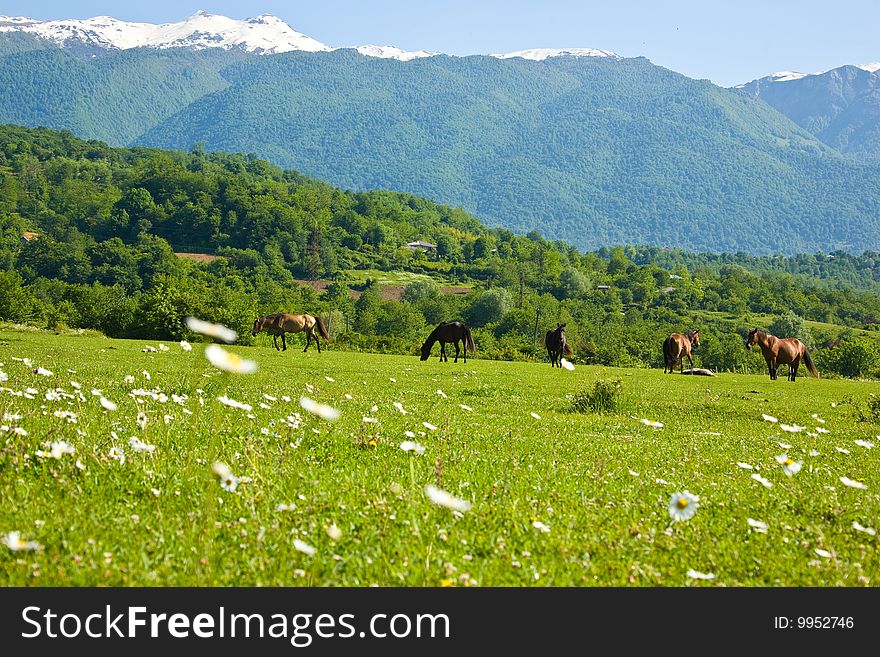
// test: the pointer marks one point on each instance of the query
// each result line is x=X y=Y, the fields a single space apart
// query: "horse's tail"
x=667 y=350
x=568 y=350
x=808 y=361
x=469 y=340
x=322 y=329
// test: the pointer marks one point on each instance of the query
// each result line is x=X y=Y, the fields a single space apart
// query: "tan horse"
x=676 y=347
x=776 y=351
x=281 y=323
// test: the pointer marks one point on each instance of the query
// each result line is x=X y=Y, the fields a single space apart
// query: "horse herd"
x=676 y=347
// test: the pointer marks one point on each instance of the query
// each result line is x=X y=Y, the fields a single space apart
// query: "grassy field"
x=599 y=483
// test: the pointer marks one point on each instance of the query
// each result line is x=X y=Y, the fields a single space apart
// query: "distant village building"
x=603 y=287
x=28 y=236
x=419 y=245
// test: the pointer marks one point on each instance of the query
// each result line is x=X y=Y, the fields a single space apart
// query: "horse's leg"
x=769 y=361
x=456 y=352
x=283 y=341
x=308 y=341
x=317 y=342
x=690 y=360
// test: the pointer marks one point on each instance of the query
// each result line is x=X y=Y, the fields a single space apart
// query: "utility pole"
x=535 y=336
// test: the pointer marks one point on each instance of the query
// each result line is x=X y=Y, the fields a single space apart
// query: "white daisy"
x=14 y=542
x=825 y=554
x=214 y=330
x=441 y=393
x=651 y=423
x=784 y=445
x=410 y=446
x=867 y=530
x=822 y=430
x=842 y=450
x=791 y=428
x=323 y=411
x=334 y=532
x=465 y=408
x=757 y=525
x=117 y=454
x=683 y=506
x=761 y=480
x=139 y=446
x=535 y=415
x=163 y=347
x=229 y=362
x=695 y=574
x=745 y=466
x=852 y=483
x=442 y=498
x=304 y=547
x=106 y=403
x=409 y=434
x=370 y=420
x=867 y=444
x=429 y=426
x=399 y=407
x=234 y=404
x=789 y=466
x=43 y=372
x=129 y=378
x=813 y=452
x=541 y=527
x=768 y=418
x=74 y=384
x=186 y=346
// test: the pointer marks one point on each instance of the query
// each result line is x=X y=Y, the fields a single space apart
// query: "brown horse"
x=676 y=347
x=449 y=332
x=776 y=351
x=557 y=345
x=281 y=323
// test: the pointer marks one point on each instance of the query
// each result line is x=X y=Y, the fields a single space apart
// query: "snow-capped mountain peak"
x=540 y=54
x=391 y=52
x=787 y=76
x=870 y=68
x=265 y=34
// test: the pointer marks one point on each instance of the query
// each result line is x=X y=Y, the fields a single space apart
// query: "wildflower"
x=852 y=483
x=117 y=454
x=784 y=445
x=535 y=415
x=142 y=420
x=652 y=423
x=128 y=378
x=757 y=525
x=14 y=542
x=789 y=466
x=400 y=408
x=304 y=547
x=695 y=574
x=155 y=491
x=330 y=379
x=323 y=411
x=74 y=384
x=270 y=398
x=867 y=530
x=825 y=554
x=566 y=364
x=410 y=446
x=465 y=408
x=683 y=506
x=442 y=394
x=634 y=473
x=745 y=466
x=213 y=330
x=139 y=446
x=43 y=372
x=842 y=450
x=229 y=362
x=106 y=403
x=186 y=346
x=234 y=404
x=228 y=481
x=864 y=443
x=791 y=428
x=409 y=434
x=768 y=418
x=370 y=420
x=429 y=426
x=761 y=480
x=442 y=498
x=163 y=347
x=822 y=430
x=541 y=527
x=334 y=532
x=813 y=452
x=816 y=417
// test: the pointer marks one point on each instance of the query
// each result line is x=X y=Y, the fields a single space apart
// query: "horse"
x=781 y=351
x=281 y=323
x=676 y=347
x=449 y=332
x=557 y=345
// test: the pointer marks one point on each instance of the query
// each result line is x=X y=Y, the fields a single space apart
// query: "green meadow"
x=557 y=497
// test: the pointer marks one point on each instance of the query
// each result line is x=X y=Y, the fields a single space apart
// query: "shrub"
x=603 y=397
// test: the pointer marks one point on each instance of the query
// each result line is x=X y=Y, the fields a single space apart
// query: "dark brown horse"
x=676 y=347
x=557 y=345
x=776 y=351
x=449 y=332
x=281 y=323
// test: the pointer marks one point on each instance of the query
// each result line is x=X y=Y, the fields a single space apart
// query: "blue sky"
x=726 y=42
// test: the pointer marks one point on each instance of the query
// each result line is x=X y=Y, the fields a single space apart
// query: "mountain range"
x=841 y=106
x=579 y=144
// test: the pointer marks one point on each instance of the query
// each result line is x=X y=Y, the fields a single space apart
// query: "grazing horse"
x=449 y=332
x=676 y=347
x=557 y=345
x=778 y=352
x=281 y=323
